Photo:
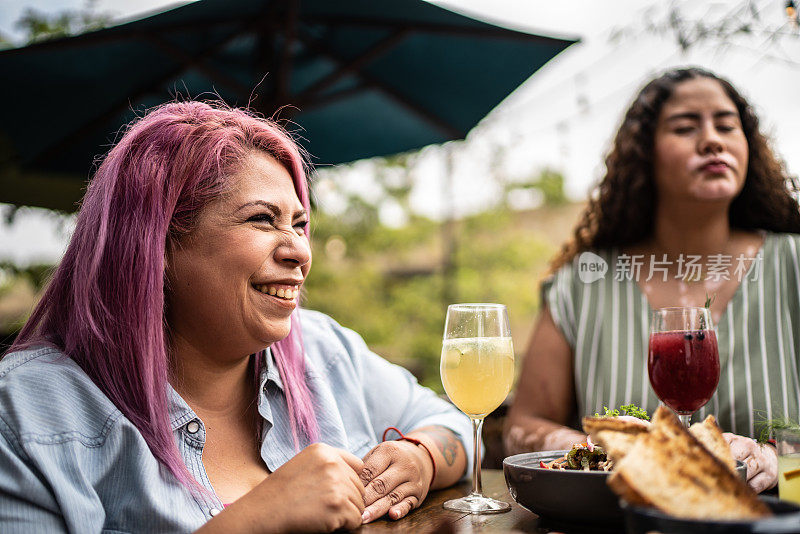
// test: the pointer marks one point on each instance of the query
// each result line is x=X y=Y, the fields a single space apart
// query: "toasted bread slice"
x=615 y=444
x=617 y=424
x=615 y=435
x=669 y=469
x=710 y=435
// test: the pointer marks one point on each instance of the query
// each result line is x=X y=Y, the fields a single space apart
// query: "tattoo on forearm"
x=445 y=441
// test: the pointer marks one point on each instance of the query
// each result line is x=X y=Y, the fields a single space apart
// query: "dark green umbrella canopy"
x=356 y=78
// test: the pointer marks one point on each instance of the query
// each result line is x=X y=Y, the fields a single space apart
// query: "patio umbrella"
x=357 y=78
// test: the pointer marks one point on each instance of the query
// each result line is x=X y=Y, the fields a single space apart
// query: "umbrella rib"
x=486 y=30
x=120 y=105
x=442 y=125
x=197 y=63
x=356 y=64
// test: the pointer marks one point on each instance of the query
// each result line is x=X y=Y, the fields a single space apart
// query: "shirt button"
x=214 y=511
x=192 y=428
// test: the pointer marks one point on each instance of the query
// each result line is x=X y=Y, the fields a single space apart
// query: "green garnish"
x=627 y=409
x=608 y=413
x=635 y=411
x=768 y=427
x=709 y=301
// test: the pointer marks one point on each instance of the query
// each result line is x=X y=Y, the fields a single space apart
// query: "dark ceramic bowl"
x=640 y=520
x=567 y=496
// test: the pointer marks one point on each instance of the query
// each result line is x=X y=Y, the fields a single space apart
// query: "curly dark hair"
x=621 y=210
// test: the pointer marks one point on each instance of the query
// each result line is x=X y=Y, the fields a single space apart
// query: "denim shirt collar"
x=180 y=413
x=269 y=372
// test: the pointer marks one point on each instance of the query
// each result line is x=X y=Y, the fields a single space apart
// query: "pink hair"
x=105 y=304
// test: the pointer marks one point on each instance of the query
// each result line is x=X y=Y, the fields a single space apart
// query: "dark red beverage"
x=684 y=368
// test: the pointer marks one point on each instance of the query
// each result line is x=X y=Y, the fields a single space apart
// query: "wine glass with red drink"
x=683 y=361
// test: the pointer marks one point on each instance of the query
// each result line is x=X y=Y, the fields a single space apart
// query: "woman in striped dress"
x=694 y=203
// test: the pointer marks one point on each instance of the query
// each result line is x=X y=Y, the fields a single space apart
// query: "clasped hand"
x=396 y=476
x=761 y=461
x=323 y=489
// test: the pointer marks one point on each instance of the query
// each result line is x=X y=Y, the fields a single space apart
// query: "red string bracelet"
x=415 y=441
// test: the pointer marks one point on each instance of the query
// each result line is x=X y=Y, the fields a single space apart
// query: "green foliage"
x=5 y=42
x=39 y=26
x=635 y=411
x=767 y=428
x=389 y=285
x=627 y=409
x=37 y=274
x=549 y=182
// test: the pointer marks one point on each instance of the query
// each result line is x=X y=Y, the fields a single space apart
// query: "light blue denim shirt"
x=71 y=462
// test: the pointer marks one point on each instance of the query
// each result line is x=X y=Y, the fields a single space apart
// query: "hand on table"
x=318 y=490
x=761 y=461
x=396 y=476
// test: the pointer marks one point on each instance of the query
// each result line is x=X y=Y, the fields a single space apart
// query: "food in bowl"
x=581 y=457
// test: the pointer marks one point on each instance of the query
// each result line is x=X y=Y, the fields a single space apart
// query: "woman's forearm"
x=528 y=433
x=448 y=453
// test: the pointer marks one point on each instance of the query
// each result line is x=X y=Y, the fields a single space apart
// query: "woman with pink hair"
x=167 y=381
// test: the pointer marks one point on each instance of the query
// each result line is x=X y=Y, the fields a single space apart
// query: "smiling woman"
x=192 y=390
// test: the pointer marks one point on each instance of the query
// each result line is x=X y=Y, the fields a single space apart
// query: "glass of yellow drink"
x=789 y=464
x=477 y=369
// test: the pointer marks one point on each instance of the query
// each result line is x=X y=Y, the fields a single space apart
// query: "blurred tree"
x=548 y=182
x=720 y=23
x=36 y=274
x=5 y=42
x=394 y=177
x=387 y=286
x=387 y=282
x=39 y=26
x=551 y=184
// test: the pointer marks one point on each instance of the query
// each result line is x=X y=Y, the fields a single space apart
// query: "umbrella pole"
x=449 y=237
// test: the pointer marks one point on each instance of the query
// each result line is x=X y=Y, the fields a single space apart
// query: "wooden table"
x=432 y=518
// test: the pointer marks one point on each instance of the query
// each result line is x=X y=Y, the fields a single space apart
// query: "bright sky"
x=563 y=117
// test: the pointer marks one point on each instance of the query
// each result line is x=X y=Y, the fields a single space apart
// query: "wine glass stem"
x=685 y=419
x=477 y=426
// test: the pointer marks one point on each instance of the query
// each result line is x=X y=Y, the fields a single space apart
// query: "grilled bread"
x=618 y=424
x=710 y=435
x=615 y=435
x=669 y=469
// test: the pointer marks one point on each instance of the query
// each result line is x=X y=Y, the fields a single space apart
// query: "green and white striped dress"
x=606 y=324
